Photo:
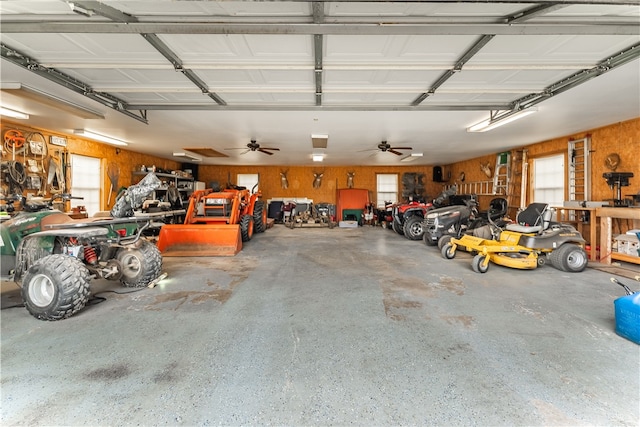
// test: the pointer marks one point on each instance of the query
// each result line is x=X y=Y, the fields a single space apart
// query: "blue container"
x=628 y=317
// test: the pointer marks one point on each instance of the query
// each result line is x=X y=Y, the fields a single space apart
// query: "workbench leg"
x=593 y=238
x=605 y=239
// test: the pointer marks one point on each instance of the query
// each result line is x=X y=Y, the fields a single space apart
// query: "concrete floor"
x=328 y=327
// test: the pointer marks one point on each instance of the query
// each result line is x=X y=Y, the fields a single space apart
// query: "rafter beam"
x=538 y=10
x=456 y=68
x=557 y=28
x=70 y=83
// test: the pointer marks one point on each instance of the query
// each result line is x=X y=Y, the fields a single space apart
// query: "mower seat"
x=497 y=209
x=534 y=219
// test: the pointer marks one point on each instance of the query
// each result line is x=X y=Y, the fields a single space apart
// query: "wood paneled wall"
x=300 y=179
x=125 y=159
x=622 y=138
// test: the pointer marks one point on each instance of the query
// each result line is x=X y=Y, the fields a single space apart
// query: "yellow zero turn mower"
x=526 y=244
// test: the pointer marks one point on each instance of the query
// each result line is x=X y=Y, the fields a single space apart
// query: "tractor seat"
x=534 y=219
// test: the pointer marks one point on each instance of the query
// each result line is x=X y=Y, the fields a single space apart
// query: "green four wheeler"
x=53 y=257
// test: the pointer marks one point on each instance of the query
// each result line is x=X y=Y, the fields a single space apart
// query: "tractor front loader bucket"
x=182 y=240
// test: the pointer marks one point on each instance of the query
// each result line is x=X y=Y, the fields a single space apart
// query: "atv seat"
x=534 y=219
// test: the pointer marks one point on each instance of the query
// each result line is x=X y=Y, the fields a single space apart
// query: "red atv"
x=408 y=216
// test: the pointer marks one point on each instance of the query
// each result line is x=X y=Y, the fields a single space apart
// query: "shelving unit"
x=183 y=184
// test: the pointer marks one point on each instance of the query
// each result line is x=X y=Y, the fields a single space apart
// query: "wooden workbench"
x=606 y=216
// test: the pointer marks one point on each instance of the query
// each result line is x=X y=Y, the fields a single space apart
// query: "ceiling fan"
x=254 y=146
x=384 y=146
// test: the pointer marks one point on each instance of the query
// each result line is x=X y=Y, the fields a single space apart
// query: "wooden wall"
x=125 y=159
x=622 y=138
x=300 y=179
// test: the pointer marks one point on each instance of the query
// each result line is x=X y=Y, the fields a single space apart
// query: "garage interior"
x=318 y=101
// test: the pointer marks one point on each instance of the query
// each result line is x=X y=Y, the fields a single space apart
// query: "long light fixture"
x=4 y=111
x=411 y=157
x=317 y=157
x=186 y=155
x=494 y=122
x=99 y=137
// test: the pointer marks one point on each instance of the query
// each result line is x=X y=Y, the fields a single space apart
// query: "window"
x=387 y=189
x=86 y=180
x=548 y=180
x=248 y=180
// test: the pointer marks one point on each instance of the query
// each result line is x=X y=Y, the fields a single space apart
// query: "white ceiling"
x=256 y=62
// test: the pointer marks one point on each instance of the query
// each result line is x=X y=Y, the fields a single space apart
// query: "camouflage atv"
x=53 y=257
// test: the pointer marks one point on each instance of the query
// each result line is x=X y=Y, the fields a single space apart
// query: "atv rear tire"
x=569 y=257
x=259 y=217
x=55 y=287
x=413 y=229
x=246 y=227
x=139 y=265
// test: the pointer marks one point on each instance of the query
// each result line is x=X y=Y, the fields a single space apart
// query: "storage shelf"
x=625 y=257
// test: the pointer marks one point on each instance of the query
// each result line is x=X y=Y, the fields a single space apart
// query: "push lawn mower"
x=526 y=244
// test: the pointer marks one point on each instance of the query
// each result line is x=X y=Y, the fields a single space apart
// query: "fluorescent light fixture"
x=411 y=157
x=98 y=137
x=44 y=98
x=13 y=113
x=317 y=157
x=492 y=123
x=189 y=156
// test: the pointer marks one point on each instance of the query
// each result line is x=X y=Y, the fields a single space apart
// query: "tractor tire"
x=428 y=240
x=140 y=265
x=448 y=252
x=477 y=264
x=246 y=227
x=413 y=229
x=55 y=287
x=443 y=240
x=569 y=257
x=259 y=217
x=397 y=227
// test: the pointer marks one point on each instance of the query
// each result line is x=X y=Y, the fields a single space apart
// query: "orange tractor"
x=216 y=224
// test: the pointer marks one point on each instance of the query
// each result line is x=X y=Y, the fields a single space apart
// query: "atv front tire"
x=569 y=257
x=139 y=265
x=55 y=287
x=397 y=227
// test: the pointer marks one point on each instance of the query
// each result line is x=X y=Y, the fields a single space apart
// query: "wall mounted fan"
x=254 y=146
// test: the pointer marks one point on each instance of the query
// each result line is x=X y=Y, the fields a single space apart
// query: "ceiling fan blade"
x=397 y=153
x=263 y=150
x=269 y=148
x=245 y=151
x=401 y=148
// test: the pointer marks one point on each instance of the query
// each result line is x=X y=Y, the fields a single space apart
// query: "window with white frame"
x=248 y=180
x=386 y=188
x=86 y=182
x=548 y=180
